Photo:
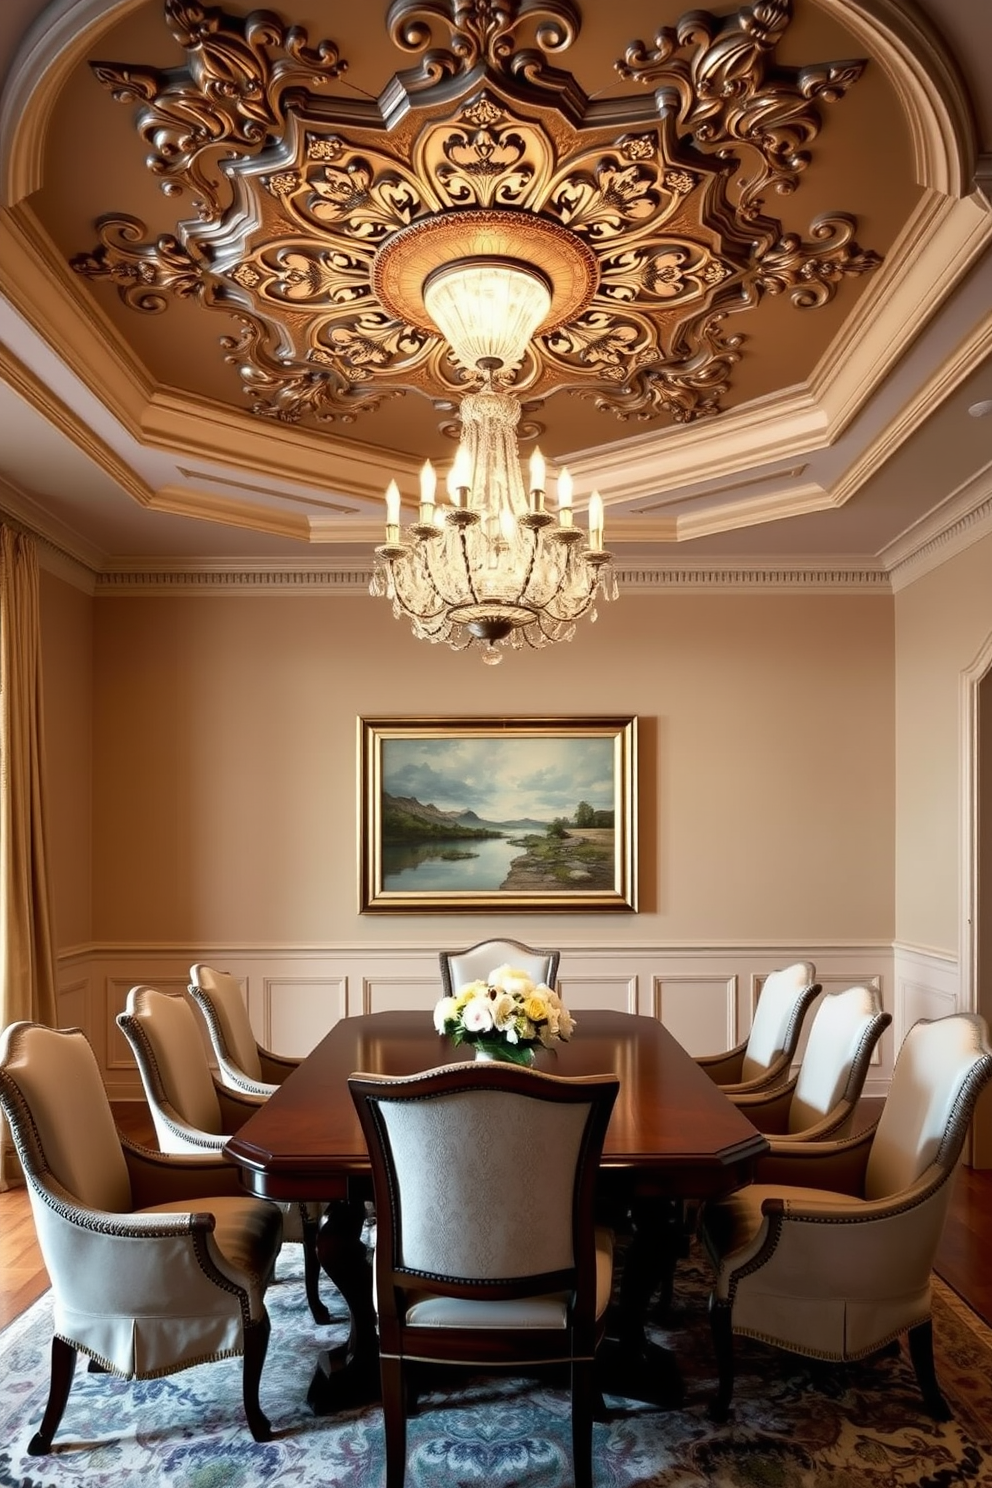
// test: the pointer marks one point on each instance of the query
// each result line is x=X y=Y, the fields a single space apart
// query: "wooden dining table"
x=673 y=1136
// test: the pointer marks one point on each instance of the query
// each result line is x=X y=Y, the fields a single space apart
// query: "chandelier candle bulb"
x=596 y=522
x=564 y=497
x=428 y=487
x=537 y=479
x=392 y=512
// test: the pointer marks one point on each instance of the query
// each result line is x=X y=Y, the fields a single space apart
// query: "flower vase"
x=494 y=1054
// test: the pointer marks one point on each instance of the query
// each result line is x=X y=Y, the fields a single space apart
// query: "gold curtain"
x=27 y=961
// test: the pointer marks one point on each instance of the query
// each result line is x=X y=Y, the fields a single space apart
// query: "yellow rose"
x=535 y=1008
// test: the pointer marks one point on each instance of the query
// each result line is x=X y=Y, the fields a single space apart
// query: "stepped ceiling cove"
x=762 y=233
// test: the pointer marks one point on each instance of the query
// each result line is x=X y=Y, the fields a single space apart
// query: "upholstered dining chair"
x=821 y=1099
x=241 y=1062
x=458 y=968
x=156 y=1262
x=762 y=1061
x=486 y=1248
x=829 y=1253
x=193 y=1112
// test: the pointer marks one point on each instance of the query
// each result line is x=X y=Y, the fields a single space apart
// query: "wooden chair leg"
x=311 y=1268
x=63 y=1368
x=921 y=1353
x=394 y=1420
x=256 y=1345
x=584 y=1394
x=723 y=1342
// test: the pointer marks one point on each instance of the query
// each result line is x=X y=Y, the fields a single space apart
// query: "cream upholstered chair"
x=821 y=1099
x=829 y=1253
x=193 y=1112
x=156 y=1262
x=486 y=1249
x=242 y=1063
x=458 y=968
x=763 y=1060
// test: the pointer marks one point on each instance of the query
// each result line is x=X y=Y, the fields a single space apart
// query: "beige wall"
x=224 y=780
x=942 y=622
x=67 y=666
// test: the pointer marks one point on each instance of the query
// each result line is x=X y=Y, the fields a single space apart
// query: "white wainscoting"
x=927 y=985
x=705 y=995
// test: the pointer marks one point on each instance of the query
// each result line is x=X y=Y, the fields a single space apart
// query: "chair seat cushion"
x=248 y=1231
x=729 y=1224
x=426 y=1310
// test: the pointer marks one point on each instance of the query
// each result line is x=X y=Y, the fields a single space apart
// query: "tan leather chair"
x=820 y=1101
x=829 y=1253
x=458 y=968
x=762 y=1061
x=193 y=1112
x=241 y=1062
x=156 y=1262
x=486 y=1250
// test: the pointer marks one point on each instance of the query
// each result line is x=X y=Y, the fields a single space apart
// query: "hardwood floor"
x=962 y=1259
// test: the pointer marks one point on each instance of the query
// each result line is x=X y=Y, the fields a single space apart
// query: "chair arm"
x=167 y=1177
x=776 y=1075
x=235 y=1107
x=834 y=1126
x=877 y=1248
x=723 y=1068
x=838 y=1166
x=275 y=1067
x=768 y=1110
x=237 y=1081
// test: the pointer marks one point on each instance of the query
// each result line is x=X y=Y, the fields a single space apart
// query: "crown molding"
x=340 y=579
x=956 y=525
x=60 y=551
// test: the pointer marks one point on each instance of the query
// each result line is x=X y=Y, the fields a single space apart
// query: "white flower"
x=443 y=1012
x=566 y=1023
x=508 y=979
x=504 y=1009
x=477 y=1015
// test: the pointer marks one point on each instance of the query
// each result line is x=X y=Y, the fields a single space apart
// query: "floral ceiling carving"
x=312 y=216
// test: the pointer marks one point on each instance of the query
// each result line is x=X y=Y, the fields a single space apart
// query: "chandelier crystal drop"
x=493 y=568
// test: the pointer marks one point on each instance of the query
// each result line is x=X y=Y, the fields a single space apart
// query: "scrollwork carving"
x=719 y=79
x=481 y=32
x=145 y=273
x=650 y=232
x=232 y=92
x=811 y=272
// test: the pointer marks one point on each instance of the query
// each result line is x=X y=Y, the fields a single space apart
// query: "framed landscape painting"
x=479 y=814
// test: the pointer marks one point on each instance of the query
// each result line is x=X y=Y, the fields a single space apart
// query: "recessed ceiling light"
x=979 y=410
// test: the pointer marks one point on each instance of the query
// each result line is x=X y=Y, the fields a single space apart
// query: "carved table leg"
x=348 y=1374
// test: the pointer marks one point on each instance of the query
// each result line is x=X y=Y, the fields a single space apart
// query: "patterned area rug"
x=794 y=1425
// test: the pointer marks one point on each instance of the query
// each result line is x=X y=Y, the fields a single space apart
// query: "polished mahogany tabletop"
x=673 y=1132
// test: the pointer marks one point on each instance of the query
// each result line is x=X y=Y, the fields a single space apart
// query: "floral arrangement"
x=505 y=1017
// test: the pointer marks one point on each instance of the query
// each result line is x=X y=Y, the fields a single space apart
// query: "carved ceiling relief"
x=316 y=227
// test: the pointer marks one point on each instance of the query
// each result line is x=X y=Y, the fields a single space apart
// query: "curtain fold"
x=27 y=959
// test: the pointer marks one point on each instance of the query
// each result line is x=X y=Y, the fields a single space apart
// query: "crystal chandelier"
x=491 y=567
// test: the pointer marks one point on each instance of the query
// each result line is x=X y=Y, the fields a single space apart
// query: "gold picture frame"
x=470 y=815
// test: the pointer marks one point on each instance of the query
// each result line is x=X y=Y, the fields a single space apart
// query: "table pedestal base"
x=348 y=1375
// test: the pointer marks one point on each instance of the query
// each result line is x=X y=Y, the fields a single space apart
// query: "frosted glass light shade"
x=487 y=308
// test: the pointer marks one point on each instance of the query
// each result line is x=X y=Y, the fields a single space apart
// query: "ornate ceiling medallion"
x=318 y=216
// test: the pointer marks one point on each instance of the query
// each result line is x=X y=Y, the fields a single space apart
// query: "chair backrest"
x=939 y=1073
x=218 y=996
x=168 y=1049
x=782 y=1004
x=485 y=1173
x=845 y=1030
x=57 y=1108
x=458 y=968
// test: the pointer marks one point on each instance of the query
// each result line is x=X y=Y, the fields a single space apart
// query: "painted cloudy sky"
x=501 y=779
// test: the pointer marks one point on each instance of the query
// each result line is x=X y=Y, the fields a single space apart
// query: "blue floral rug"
x=794 y=1424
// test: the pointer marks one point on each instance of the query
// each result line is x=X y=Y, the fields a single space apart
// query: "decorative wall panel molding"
x=296 y=994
